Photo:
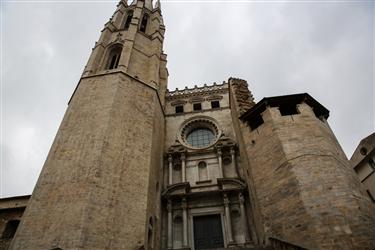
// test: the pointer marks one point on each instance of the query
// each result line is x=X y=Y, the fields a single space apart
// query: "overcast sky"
x=323 y=48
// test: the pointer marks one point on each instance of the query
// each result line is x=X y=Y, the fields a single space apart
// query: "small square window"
x=215 y=104
x=197 y=106
x=288 y=110
x=179 y=109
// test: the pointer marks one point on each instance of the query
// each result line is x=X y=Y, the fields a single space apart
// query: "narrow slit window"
x=197 y=106
x=215 y=104
x=144 y=23
x=179 y=109
x=128 y=20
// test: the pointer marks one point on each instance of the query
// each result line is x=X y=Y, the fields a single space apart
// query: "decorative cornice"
x=197 y=91
x=195 y=99
x=178 y=102
x=177 y=189
x=229 y=184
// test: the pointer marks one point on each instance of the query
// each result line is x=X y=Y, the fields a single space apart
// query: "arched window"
x=114 y=57
x=10 y=229
x=202 y=171
x=144 y=23
x=128 y=19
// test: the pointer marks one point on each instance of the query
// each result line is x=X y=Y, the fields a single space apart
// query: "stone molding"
x=198 y=91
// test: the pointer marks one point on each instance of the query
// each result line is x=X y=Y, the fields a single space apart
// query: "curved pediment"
x=228 y=184
x=177 y=189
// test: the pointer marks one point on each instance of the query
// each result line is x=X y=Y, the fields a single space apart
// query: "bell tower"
x=132 y=42
x=99 y=187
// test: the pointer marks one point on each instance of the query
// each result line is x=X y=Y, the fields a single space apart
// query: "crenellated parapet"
x=197 y=91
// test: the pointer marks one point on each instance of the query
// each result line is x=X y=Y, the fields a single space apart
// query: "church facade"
x=137 y=166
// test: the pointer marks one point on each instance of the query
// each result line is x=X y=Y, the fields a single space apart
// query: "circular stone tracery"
x=199 y=133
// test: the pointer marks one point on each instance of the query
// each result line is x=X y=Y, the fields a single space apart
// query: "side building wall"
x=11 y=212
x=241 y=100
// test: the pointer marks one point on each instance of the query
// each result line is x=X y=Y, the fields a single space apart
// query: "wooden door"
x=208 y=232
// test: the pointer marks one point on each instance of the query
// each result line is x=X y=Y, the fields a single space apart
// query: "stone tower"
x=307 y=192
x=99 y=185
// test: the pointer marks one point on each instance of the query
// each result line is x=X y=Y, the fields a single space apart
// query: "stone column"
x=241 y=199
x=170 y=223
x=220 y=159
x=233 y=156
x=228 y=219
x=183 y=171
x=184 y=223
x=170 y=167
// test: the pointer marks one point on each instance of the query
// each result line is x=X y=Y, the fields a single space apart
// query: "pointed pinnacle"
x=158 y=4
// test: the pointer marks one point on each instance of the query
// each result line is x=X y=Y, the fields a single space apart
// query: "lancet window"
x=114 y=57
x=144 y=23
x=128 y=19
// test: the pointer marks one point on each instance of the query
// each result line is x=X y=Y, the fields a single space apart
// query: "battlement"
x=205 y=89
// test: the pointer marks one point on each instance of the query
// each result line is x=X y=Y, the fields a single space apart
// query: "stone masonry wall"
x=254 y=215
x=93 y=191
x=308 y=194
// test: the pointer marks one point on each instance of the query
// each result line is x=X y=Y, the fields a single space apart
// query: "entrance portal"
x=208 y=232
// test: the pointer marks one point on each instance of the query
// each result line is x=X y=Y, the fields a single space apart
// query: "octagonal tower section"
x=307 y=192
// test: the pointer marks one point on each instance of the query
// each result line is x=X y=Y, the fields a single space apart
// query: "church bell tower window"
x=144 y=23
x=128 y=19
x=114 y=57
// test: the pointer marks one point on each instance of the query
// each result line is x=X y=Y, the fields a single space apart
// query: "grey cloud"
x=325 y=49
